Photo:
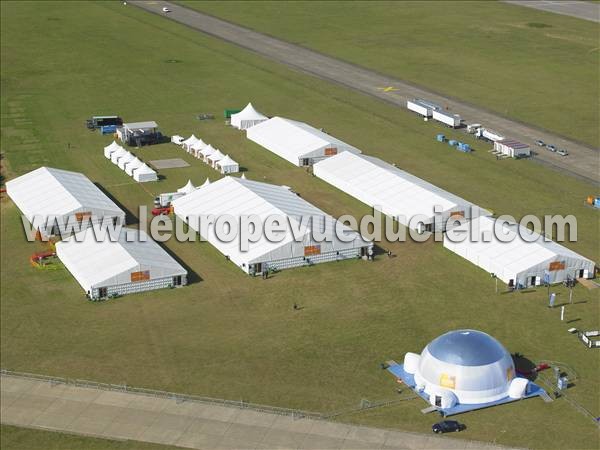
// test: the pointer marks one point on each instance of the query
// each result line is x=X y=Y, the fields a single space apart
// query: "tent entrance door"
x=532 y=280
x=581 y=273
x=438 y=401
x=258 y=268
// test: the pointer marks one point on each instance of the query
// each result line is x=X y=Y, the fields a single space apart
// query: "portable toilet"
x=441 y=138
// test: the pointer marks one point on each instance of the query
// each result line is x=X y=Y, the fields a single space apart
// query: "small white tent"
x=189 y=142
x=196 y=147
x=132 y=165
x=110 y=149
x=118 y=154
x=188 y=188
x=206 y=183
x=247 y=117
x=214 y=157
x=227 y=165
x=144 y=173
x=206 y=152
x=124 y=160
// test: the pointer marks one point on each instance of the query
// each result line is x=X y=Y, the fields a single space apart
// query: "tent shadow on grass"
x=192 y=276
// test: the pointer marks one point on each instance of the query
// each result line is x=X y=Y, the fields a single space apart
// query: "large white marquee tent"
x=247 y=117
x=237 y=197
x=132 y=263
x=394 y=192
x=297 y=142
x=47 y=192
x=519 y=263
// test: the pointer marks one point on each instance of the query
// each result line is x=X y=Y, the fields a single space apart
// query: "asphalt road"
x=580 y=9
x=120 y=415
x=583 y=161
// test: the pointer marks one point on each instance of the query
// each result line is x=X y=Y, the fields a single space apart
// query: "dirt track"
x=583 y=162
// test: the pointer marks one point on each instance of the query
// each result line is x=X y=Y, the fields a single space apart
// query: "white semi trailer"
x=452 y=120
x=421 y=107
x=488 y=135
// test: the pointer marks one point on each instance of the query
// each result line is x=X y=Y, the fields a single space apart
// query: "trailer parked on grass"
x=451 y=120
x=512 y=148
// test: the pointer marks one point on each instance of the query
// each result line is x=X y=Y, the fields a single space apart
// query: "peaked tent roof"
x=226 y=161
x=189 y=187
x=98 y=263
x=206 y=183
x=292 y=140
x=125 y=159
x=378 y=183
x=189 y=141
x=208 y=150
x=247 y=114
x=216 y=155
x=132 y=165
x=47 y=191
x=116 y=155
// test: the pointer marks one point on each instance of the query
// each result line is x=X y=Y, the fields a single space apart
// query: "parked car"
x=562 y=152
x=551 y=147
x=447 y=426
x=540 y=143
x=166 y=10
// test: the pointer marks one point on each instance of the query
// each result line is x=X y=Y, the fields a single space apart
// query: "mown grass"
x=228 y=335
x=534 y=66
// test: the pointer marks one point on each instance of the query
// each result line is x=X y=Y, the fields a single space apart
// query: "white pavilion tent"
x=394 y=192
x=132 y=263
x=234 y=197
x=206 y=152
x=47 y=193
x=206 y=183
x=214 y=157
x=196 y=147
x=227 y=165
x=247 y=117
x=188 y=142
x=188 y=188
x=110 y=149
x=118 y=154
x=132 y=165
x=144 y=173
x=297 y=142
x=526 y=259
x=125 y=160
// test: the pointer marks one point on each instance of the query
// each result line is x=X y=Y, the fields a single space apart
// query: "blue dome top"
x=467 y=348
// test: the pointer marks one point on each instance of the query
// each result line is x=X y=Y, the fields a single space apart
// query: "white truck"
x=452 y=120
x=421 y=107
x=164 y=200
x=473 y=127
x=488 y=135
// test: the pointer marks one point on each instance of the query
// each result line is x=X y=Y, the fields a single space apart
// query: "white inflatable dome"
x=465 y=366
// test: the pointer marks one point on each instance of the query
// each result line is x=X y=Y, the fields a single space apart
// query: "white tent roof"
x=191 y=140
x=206 y=183
x=243 y=177
x=189 y=187
x=113 y=146
x=509 y=259
x=216 y=155
x=198 y=145
x=144 y=173
x=377 y=183
x=124 y=160
x=132 y=165
x=141 y=125
x=208 y=150
x=116 y=155
x=247 y=114
x=293 y=140
x=46 y=191
x=176 y=139
x=101 y=263
x=226 y=161
x=236 y=197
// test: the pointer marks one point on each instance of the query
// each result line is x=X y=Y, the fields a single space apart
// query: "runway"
x=582 y=162
x=580 y=9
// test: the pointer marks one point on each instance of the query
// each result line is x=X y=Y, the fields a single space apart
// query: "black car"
x=447 y=426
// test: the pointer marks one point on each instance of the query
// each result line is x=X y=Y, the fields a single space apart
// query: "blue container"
x=452 y=142
x=108 y=129
x=464 y=147
x=441 y=138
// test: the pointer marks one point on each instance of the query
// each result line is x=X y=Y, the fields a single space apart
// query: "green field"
x=231 y=336
x=533 y=66
x=14 y=438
